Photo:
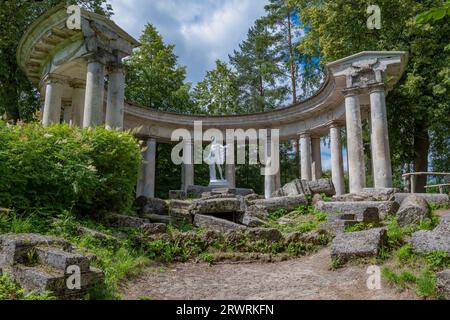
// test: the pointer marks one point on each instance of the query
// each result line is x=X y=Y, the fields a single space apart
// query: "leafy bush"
x=65 y=168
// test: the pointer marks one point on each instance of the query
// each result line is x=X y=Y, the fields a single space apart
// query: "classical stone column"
x=355 y=147
x=149 y=164
x=68 y=111
x=116 y=97
x=230 y=175
x=188 y=157
x=305 y=145
x=337 y=163
x=95 y=87
x=78 y=97
x=316 y=158
x=381 y=155
x=269 y=180
x=52 y=105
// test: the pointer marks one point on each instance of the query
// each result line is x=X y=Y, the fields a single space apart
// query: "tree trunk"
x=421 y=150
x=291 y=60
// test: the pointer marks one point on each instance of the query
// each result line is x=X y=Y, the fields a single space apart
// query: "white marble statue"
x=216 y=158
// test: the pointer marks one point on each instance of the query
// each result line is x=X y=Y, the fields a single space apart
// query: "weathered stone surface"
x=431 y=198
x=215 y=206
x=252 y=197
x=367 y=243
x=123 y=221
x=40 y=263
x=251 y=221
x=288 y=203
x=156 y=206
x=438 y=239
x=156 y=218
x=216 y=224
x=197 y=191
x=313 y=237
x=41 y=279
x=303 y=187
x=177 y=195
x=369 y=216
x=322 y=186
x=369 y=194
x=60 y=259
x=443 y=283
x=414 y=210
x=385 y=208
x=264 y=234
x=342 y=216
x=179 y=212
x=235 y=236
x=15 y=247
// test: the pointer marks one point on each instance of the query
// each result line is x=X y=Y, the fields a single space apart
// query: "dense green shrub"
x=66 y=168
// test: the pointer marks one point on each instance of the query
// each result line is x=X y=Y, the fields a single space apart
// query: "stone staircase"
x=41 y=263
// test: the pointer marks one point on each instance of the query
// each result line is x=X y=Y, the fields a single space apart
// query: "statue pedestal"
x=218 y=184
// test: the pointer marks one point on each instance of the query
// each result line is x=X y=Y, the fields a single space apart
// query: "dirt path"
x=306 y=278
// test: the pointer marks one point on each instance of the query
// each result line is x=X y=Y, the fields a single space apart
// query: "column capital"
x=337 y=124
x=378 y=87
x=95 y=57
x=116 y=67
x=351 y=92
x=305 y=134
x=54 y=78
x=77 y=84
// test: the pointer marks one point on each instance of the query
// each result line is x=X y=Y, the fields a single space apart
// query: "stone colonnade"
x=86 y=108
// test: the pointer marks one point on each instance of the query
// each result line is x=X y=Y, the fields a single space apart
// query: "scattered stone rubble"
x=361 y=244
x=443 y=283
x=41 y=263
x=414 y=210
x=438 y=239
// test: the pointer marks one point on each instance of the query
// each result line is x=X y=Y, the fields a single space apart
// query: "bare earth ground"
x=306 y=278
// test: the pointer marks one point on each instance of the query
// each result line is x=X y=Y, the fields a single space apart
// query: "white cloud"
x=202 y=30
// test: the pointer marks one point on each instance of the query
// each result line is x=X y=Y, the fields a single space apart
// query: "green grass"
x=303 y=219
x=10 y=290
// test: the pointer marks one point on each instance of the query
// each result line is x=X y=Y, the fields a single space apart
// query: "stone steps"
x=40 y=263
x=60 y=259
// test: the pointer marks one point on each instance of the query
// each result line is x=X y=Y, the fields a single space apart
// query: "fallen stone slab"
x=177 y=195
x=385 y=208
x=308 y=188
x=156 y=218
x=14 y=248
x=179 y=212
x=44 y=279
x=347 y=246
x=197 y=191
x=249 y=220
x=313 y=237
x=154 y=206
x=267 y=234
x=413 y=211
x=429 y=241
x=216 y=224
x=431 y=198
x=215 y=206
x=369 y=194
x=60 y=259
x=288 y=203
x=443 y=283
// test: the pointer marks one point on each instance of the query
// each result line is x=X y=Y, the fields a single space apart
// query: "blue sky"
x=201 y=30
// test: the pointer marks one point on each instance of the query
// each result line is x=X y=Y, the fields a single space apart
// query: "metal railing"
x=413 y=180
